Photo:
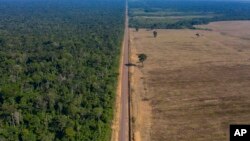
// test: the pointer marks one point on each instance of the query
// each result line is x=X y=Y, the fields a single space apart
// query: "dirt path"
x=121 y=121
x=124 y=118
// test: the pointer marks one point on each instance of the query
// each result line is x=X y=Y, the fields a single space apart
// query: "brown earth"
x=191 y=87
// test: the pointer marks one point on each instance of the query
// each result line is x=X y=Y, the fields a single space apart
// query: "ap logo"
x=239 y=132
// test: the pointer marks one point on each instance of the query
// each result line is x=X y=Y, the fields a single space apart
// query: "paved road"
x=124 y=118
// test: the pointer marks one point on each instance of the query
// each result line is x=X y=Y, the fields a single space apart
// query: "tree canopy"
x=142 y=58
x=59 y=66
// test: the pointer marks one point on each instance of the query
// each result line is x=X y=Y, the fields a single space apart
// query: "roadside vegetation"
x=58 y=68
x=169 y=14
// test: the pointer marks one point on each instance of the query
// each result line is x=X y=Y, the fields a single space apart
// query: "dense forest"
x=58 y=68
x=201 y=10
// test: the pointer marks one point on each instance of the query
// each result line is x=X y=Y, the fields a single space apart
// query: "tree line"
x=221 y=11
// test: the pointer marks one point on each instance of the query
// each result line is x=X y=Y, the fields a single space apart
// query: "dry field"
x=191 y=88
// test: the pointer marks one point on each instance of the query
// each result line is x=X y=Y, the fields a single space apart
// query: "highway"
x=124 y=114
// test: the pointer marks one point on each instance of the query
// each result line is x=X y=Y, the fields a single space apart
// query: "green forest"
x=178 y=14
x=59 y=66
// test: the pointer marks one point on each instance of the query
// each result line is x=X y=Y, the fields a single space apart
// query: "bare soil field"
x=232 y=28
x=191 y=87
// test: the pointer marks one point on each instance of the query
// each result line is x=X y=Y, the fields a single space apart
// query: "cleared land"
x=191 y=88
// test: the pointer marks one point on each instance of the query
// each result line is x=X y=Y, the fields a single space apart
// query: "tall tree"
x=142 y=58
x=136 y=28
x=155 y=34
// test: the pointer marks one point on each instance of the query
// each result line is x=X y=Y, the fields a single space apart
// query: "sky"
x=196 y=0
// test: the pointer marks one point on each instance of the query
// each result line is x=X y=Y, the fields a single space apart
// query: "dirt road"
x=124 y=115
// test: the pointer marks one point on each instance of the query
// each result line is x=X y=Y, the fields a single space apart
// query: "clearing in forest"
x=191 y=86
